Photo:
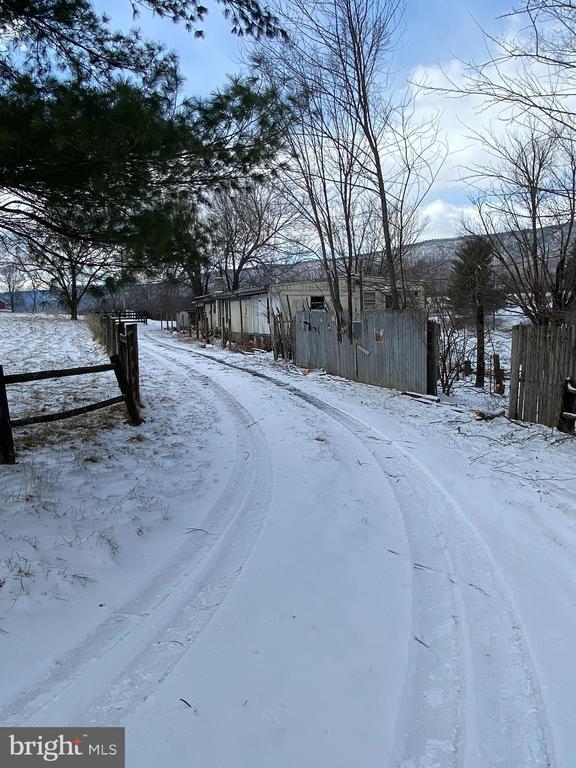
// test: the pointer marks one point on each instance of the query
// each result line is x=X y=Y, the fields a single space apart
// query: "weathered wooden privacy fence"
x=281 y=336
x=390 y=349
x=543 y=358
x=7 y=452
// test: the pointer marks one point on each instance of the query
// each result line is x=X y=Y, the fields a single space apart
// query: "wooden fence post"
x=112 y=335
x=514 y=374
x=431 y=358
x=133 y=368
x=7 y=453
x=498 y=375
x=132 y=408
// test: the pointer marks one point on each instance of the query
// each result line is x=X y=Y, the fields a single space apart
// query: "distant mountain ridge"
x=435 y=254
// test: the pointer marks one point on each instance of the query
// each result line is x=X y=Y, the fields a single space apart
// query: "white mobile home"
x=245 y=315
x=367 y=293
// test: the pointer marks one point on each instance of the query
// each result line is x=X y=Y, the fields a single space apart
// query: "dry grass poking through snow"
x=84 y=491
x=38 y=342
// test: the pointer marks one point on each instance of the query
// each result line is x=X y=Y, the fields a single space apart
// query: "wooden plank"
x=521 y=372
x=431 y=358
x=532 y=355
x=549 y=375
x=536 y=374
x=556 y=364
x=551 y=365
x=49 y=417
x=7 y=453
x=525 y=376
x=540 y=375
x=19 y=378
x=513 y=399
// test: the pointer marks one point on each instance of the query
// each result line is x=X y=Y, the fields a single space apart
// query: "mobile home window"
x=369 y=300
x=317 y=302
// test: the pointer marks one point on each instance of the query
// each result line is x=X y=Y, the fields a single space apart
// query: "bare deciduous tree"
x=13 y=278
x=533 y=71
x=247 y=227
x=323 y=187
x=353 y=142
x=453 y=336
x=68 y=268
x=528 y=193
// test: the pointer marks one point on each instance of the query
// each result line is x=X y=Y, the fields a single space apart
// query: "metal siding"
x=261 y=324
x=398 y=362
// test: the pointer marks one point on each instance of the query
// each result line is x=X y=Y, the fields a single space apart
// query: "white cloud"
x=445 y=219
x=459 y=119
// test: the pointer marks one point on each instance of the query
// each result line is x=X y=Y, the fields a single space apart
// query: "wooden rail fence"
x=137 y=315
x=132 y=315
x=7 y=451
x=121 y=338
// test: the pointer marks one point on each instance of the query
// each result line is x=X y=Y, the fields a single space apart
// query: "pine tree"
x=95 y=136
x=474 y=293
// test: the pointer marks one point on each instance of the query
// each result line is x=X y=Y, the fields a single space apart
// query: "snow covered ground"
x=285 y=570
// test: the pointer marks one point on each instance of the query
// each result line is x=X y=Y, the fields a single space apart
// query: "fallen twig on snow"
x=200 y=530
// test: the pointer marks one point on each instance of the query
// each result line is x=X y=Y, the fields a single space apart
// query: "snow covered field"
x=280 y=569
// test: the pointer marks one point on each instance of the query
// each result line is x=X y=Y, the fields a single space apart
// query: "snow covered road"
x=366 y=584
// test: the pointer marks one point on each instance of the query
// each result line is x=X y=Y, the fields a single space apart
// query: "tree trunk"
x=73 y=298
x=480 y=352
x=350 y=306
x=388 y=250
x=197 y=283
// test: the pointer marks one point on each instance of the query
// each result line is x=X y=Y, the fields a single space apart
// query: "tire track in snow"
x=507 y=724
x=136 y=647
x=473 y=698
x=223 y=565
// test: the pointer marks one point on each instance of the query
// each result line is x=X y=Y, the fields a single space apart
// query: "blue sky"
x=437 y=30
x=438 y=33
